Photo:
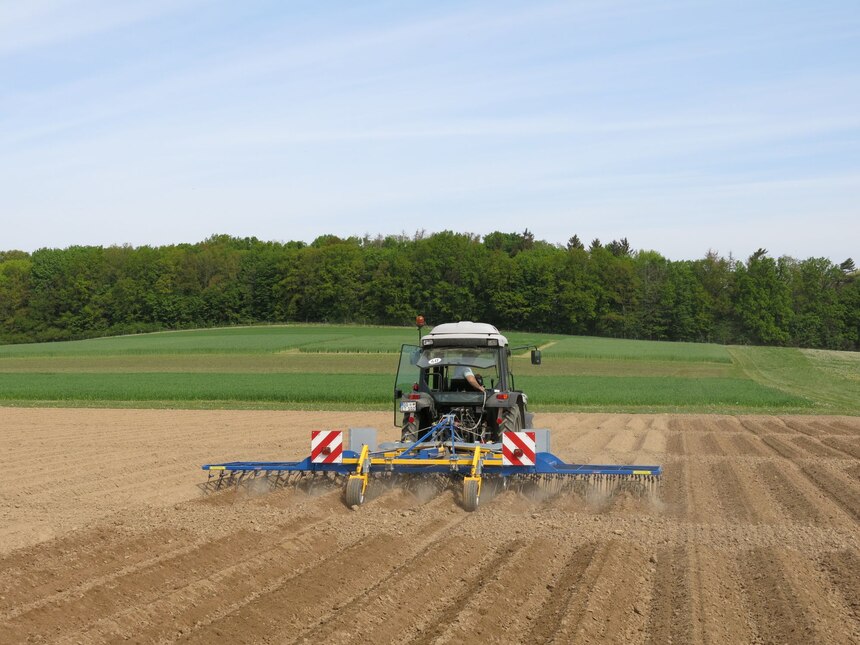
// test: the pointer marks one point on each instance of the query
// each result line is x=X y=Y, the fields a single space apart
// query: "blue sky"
x=683 y=126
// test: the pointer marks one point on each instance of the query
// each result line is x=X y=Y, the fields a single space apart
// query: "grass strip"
x=804 y=374
x=376 y=389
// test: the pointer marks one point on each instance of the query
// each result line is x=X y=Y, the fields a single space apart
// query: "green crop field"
x=245 y=340
x=352 y=367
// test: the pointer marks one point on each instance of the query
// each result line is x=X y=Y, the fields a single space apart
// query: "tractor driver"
x=465 y=373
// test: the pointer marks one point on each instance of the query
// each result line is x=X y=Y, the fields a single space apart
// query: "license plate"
x=407 y=406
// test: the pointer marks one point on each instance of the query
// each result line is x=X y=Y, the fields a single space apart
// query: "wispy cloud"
x=42 y=23
x=127 y=121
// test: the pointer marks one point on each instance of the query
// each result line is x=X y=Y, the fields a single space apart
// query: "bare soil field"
x=105 y=535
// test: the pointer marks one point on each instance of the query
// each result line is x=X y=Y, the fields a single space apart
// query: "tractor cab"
x=445 y=369
x=440 y=376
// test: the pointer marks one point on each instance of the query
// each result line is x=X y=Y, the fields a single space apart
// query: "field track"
x=105 y=536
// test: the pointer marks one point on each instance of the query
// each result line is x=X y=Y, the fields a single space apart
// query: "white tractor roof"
x=467 y=329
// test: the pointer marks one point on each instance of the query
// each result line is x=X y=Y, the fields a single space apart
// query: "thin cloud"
x=44 y=23
x=600 y=118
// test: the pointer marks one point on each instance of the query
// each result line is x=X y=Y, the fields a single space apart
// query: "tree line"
x=508 y=279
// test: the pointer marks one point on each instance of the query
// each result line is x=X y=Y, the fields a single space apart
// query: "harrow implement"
x=519 y=458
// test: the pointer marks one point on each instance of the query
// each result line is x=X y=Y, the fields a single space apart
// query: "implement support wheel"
x=354 y=494
x=409 y=431
x=471 y=496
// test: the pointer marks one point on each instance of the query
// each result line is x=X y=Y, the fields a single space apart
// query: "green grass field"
x=352 y=367
x=244 y=341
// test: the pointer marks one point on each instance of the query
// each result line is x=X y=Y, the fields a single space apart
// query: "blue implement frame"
x=440 y=450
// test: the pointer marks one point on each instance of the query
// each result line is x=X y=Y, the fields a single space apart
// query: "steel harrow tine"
x=594 y=487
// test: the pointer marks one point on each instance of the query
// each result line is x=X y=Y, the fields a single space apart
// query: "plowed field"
x=105 y=535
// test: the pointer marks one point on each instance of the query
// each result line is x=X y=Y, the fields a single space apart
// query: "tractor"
x=461 y=369
x=462 y=419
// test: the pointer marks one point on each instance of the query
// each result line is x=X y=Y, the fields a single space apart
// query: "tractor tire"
x=512 y=421
x=471 y=496
x=354 y=496
x=409 y=432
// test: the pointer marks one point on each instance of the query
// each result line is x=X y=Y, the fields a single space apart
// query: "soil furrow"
x=562 y=590
x=441 y=614
x=806 y=427
x=397 y=599
x=735 y=501
x=790 y=601
x=728 y=424
x=612 y=599
x=80 y=554
x=787 y=494
x=781 y=447
x=844 y=426
x=815 y=448
x=105 y=594
x=301 y=541
x=843 y=570
x=775 y=608
x=280 y=605
x=214 y=598
x=844 y=445
x=717 y=605
x=623 y=440
x=105 y=485
x=563 y=626
x=74 y=614
x=743 y=445
x=655 y=441
x=673 y=489
x=753 y=426
x=675 y=444
x=493 y=604
x=708 y=445
x=844 y=493
x=29 y=589
x=762 y=426
x=670 y=617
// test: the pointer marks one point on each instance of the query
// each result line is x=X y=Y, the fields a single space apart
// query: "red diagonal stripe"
x=331 y=458
x=527 y=450
x=322 y=444
x=509 y=455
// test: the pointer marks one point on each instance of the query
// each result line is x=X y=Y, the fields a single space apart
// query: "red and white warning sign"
x=327 y=446
x=518 y=449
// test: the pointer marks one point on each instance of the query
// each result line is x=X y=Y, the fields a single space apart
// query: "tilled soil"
x=106 y=535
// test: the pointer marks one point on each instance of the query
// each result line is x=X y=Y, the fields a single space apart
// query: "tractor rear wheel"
x=354 y=494
x=512 y=421
x=409 y=432
x=471 y=495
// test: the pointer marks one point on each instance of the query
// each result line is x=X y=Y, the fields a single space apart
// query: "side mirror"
x=398 y=393
x=535 y=357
